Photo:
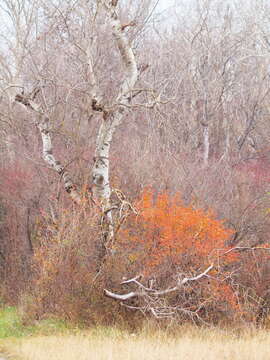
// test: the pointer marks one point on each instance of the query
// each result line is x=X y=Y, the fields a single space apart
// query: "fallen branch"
x=143 y=290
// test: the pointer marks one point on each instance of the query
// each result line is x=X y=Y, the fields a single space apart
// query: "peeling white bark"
x=113 y=118
x=55 y=164
x=44 y=128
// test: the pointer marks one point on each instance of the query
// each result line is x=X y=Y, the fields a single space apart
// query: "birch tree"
x=26 y=20
x=113 y=116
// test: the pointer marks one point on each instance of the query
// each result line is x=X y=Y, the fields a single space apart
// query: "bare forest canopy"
x=135 y=159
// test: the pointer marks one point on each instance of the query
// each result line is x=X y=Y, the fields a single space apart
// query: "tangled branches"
x=153 y=300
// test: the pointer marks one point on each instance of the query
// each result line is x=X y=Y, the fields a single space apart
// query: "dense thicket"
x=198 y=126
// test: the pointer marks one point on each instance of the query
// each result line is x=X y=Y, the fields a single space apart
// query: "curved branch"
x=144 y=290
x=48 y=156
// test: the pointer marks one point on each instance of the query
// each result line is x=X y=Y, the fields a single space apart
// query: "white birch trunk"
x=48 y=156
x=22 y=16
x=44 y=128
x=111 y=120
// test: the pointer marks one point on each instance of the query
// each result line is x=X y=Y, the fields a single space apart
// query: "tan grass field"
x=189 y=344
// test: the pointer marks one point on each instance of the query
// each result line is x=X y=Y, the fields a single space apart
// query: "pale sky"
x=164 y=4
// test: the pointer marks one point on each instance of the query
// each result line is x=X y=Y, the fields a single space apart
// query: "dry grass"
x=189 y=344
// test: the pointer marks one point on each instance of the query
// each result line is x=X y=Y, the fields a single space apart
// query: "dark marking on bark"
x=96 y=106
x=60 y=171
x=23 y=100
x=69 y=188
x=98 y=179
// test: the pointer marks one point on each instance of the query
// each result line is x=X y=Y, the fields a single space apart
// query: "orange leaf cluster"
x=169 y=231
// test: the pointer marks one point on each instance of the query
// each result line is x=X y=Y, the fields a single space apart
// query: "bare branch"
x=44 y=128
x=121 y=297
x=144 y=290
x=244 y=248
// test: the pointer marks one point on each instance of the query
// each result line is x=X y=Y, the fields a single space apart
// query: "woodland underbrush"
x=161 y=243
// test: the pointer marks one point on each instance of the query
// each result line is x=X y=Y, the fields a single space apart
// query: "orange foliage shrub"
x=169 y=233
x=169 y=238
x=166 y=240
